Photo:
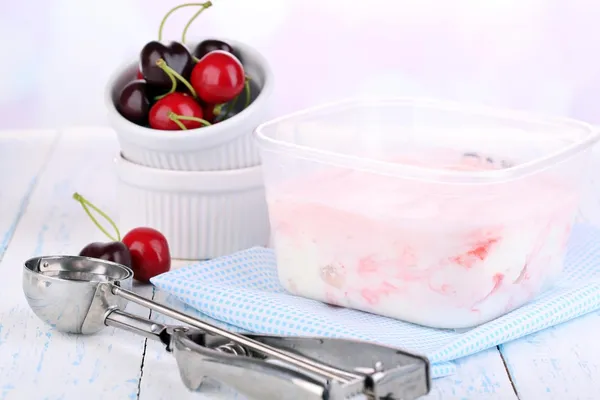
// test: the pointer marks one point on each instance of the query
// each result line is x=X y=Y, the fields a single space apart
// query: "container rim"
x=423 y=173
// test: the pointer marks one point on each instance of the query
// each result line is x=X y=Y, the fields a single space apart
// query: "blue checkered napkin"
x=242 y=291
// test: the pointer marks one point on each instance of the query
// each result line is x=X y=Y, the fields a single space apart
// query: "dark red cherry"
x=134 y=103
x=176 y=56
x=111 y=251
x=206 y=46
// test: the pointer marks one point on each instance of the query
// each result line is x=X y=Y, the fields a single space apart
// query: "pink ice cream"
x=446 y=256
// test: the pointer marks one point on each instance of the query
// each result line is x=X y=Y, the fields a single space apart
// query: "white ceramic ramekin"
x=203 y=214
x=225 y=145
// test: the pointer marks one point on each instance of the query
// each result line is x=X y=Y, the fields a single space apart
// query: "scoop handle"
x=304 y=363
x=138 y=325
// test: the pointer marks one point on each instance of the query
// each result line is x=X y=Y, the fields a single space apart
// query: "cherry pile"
x=144 y=250
x=179 y=89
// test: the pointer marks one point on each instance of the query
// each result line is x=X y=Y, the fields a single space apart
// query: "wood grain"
x=22 y=156
x=481 y=376
x=161 y=377
x=562 y=362
x=37 y=361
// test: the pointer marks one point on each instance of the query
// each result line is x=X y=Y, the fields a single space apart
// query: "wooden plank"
x=160 y=380
x=37 y=361
x=481 y=376
x=562 y=362
x=22 y=156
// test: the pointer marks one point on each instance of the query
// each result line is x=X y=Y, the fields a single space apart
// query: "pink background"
x=534 y=54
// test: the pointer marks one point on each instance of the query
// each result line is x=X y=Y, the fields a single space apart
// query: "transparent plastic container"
x=430 y=212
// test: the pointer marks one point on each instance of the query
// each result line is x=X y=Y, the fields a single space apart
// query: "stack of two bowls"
x=202 y=188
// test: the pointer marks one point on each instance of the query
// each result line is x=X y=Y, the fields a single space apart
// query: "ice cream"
x=446 y=256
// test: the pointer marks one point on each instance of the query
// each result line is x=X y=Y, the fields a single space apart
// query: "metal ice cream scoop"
x=83 y=295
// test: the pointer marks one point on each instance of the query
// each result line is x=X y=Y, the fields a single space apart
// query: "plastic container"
x=226 y=145
x=202 y=214
x=434 y=213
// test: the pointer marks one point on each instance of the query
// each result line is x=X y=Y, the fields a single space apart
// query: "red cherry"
x=139 y=75
x=218 y=77
x=144 y=250
x=176 y=111
x=150 y=255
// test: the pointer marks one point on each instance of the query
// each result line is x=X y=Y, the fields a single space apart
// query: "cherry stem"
x=85 y=204
x=217 y=109
x=173 y=117
x=171 y=11
x=178 y=118
x=173 y=85
x=187 y=26
x=168 y=70
x=247 y=91
x=247 y=95
x=232 y=104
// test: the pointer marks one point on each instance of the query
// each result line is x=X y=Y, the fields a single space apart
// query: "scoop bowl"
x=70 y=293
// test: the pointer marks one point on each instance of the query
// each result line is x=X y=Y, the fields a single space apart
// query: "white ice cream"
x=438 y=255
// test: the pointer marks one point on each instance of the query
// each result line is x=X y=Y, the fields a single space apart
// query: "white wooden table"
x=39 y=171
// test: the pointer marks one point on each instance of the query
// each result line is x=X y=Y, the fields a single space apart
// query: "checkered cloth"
x=242 y=293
